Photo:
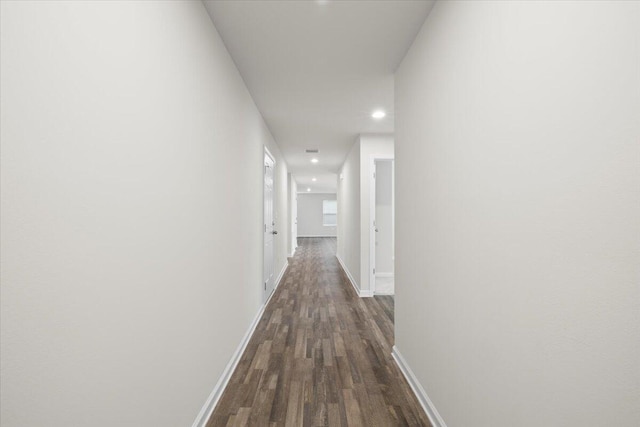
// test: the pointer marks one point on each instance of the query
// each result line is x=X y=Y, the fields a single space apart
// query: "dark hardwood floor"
x=321 y=356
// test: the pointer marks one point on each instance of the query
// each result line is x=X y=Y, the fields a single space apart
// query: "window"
x=329 y=213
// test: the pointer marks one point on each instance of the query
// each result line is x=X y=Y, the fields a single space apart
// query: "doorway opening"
x=382 y=241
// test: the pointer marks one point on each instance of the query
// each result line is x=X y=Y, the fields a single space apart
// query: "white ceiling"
x=318 y=69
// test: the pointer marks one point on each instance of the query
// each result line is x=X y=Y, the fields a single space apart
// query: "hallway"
x=206 y=205
x=320 y=355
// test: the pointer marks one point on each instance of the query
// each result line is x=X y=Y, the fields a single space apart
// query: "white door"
x=382 y=212
x=269 y=225
x=294 y=225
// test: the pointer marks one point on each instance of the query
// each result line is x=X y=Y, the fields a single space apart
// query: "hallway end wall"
x=310 y=215
x=518 y=207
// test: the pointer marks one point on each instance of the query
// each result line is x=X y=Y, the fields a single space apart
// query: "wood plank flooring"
x=321 y=356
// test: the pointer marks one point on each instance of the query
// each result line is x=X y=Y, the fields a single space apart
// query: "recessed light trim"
x=308 y=189
x=314 y=160
x=378 y=114
x=314 y=179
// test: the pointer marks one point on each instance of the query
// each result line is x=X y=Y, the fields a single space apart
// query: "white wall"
x=518 y=207
x=131 y=214
x=348 y=196
x=310 y=215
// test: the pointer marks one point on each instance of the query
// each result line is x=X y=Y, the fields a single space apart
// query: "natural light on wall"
x=329 y=213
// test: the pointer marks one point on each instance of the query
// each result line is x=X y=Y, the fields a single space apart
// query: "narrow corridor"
x=321 y=356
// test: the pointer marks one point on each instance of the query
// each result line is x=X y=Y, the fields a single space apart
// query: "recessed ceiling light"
x=314 y=160
x=379 y=114
x=308 y=189
x=313 y=179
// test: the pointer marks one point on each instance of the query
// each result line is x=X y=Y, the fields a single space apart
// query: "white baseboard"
x=418 y=390
x=361 y=293
x=214 y=397
x=278 y=279
x=384 y=293
x=333 y=235
x=348 y=273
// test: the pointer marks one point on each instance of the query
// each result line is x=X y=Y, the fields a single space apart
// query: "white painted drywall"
x=348 y=196
x=131 y=212
x=310 y=215
x=384 y=217
x=518 y=212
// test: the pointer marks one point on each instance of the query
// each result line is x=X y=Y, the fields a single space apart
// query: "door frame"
x=266 y=290
x=372 y=215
